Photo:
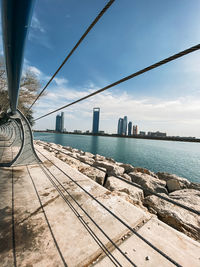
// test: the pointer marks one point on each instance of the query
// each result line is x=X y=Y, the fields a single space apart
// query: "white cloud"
x=36 y=24
x=176 y=117
x=35 y=70
x=60 y=81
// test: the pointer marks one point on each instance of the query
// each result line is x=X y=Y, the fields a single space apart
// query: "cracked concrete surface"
x=37 y=227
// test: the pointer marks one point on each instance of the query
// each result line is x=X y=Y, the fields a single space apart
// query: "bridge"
x=53 y=215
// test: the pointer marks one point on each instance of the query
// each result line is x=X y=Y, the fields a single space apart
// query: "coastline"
x=104 y=171
x=167 y=138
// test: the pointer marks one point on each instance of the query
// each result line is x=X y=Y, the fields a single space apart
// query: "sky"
x=131 y=35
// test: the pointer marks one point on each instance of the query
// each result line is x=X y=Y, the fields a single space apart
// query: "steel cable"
x=74 y=48
x=155 y=65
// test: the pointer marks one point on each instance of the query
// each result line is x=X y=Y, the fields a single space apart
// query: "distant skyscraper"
x=135 y=130
x=120 y=126
x=129 y=128
x=95 y=125
x=60 y=122
x=124 y=131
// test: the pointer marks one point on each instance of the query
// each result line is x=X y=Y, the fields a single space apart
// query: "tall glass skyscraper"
x=129 y=128
x=95 y=125
x=60 y=122
x=120 y=126
x=124 y=131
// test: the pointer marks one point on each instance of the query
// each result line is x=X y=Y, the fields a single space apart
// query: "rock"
x=112 y=169
x=98 y=157
x=148 y=183
x=127 y=167
x=182 y=182
x=173 y=185
x=195 y=186
x=68 y=148
x=177 y=217
x=88 y=154
x=143 y=170
x=93 y=173
x=86 y=159
x=114 y=184
x=126 y=176
x=110 y=160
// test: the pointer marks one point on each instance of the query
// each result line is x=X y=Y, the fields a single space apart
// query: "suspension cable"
x=74 y=48
x=155 y=65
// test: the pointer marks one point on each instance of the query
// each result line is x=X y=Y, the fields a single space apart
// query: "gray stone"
x=195 y=186
x=173 y=181
x=177 y=217
x=86 y=159
x=93 y=173
x=112 y=169
x=127 y=167
x=148 y=183
x=143 y=170
x=98 y=157
x=126 y=176
x=88 y=154
x=114 y=184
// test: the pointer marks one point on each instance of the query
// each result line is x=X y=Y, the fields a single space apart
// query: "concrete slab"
x=47 y=232
x=176 y=245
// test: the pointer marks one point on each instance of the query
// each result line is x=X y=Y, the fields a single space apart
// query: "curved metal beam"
x=16 y=17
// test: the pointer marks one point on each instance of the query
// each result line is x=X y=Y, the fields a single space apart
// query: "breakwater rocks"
x=117 y=177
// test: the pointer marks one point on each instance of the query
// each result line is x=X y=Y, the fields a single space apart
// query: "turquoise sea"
x=180 y=158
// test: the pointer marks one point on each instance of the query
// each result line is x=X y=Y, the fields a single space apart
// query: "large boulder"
x=112 y=169
x=175 y=216
x=86 y=159
x=93 y=173
x=195 y=186
x=146 y=171
x=173 y=181
x=88 y=154
x=148 y=183
x=98 y=157
x=114 y=184
x=127 y=167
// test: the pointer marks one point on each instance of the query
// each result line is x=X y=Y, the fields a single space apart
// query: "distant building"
x=157 y=134
x=124 y=129
x=135 y=130
x=129 y=128
x=60 y=122
x=120 y=126
x=95 y=125
x=101 y=132
x=142 y=133
x=77 y=131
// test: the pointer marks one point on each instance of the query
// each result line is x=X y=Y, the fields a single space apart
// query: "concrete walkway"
x=38 y=228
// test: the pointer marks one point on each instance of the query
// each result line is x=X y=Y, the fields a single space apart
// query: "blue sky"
x=131 y=35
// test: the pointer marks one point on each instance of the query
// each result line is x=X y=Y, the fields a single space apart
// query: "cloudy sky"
x=131 y=35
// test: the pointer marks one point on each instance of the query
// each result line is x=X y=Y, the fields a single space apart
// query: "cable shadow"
x=13 y=224
x=47 y=221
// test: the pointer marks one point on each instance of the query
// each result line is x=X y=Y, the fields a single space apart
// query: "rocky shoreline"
x=104 y=171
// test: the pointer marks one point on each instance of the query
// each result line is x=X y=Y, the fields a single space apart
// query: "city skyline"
x=167 y=98
x=124 y=127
